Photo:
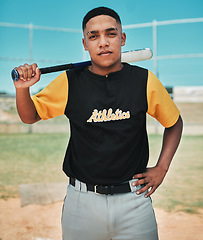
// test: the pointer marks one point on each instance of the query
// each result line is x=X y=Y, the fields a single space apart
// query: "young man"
x=106 y=160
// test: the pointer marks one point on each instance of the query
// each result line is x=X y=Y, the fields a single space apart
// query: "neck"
x=105 y=70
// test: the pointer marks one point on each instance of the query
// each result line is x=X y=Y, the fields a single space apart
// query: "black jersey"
x=108 y=142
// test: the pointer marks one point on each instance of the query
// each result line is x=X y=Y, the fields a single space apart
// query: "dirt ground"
x=37 y=222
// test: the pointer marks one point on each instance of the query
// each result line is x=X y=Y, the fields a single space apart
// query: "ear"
x=84 y=44
x=123 y=39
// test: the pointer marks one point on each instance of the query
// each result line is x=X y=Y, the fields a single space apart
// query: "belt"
x=106 y=189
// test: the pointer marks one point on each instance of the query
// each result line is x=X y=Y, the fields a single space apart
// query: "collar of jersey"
x=113 y=75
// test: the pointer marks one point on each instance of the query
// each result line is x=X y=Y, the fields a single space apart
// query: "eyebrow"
x=106 y=30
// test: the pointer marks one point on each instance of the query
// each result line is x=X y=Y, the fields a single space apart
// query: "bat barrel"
x=136 y=55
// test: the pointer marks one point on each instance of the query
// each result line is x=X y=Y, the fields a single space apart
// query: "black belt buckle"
x=108 y=190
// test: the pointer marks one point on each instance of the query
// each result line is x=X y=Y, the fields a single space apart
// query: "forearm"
x=171 y=140
x=28 y=76
x=25 y=106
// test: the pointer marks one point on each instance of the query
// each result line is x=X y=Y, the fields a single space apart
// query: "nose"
x=103 y=41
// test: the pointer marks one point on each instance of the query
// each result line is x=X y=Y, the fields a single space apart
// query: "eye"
x=112 y=34
x=93 y=37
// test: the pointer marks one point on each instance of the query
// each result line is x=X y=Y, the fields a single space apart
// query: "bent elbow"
x=180 y=123
x=30 y=120
x=26 y=121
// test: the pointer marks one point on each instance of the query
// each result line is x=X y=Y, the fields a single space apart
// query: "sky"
x=59 y=47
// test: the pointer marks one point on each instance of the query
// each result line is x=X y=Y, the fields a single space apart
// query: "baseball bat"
x=128 y=56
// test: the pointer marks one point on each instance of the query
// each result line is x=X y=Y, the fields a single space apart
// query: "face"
x=103 y=38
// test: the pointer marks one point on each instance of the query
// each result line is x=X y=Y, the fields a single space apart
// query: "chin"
x=108 y=63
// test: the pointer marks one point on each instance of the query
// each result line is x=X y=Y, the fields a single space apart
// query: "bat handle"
x=15 y=75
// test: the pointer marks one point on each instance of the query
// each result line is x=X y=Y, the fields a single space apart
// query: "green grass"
x=182 y=189
x=31 y=158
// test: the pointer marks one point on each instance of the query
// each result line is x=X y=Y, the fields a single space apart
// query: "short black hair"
x=100 y=11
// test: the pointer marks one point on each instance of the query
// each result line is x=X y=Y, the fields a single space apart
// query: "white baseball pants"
x=90 y=216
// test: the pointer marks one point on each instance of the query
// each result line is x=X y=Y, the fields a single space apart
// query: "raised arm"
x=29 y=75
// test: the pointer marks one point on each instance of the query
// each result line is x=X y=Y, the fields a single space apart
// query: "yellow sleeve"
x=52 y=100
x=160 y=104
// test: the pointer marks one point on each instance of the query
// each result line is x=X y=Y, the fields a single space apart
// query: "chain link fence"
x=150 y=35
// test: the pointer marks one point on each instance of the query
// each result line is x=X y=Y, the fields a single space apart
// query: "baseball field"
x=37 y=158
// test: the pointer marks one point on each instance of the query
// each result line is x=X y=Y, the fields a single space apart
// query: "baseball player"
x=108 y=196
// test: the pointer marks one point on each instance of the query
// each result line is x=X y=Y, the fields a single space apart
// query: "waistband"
x=103 y=189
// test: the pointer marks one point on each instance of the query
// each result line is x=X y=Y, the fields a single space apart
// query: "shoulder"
x=136 y=70
x=76 y=72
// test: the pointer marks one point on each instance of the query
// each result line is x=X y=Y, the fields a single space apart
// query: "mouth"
x=105 y=53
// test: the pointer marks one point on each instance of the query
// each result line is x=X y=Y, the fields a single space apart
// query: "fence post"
x=30 y=58
x=155 y=45
x=154 y=24
x=30 y=42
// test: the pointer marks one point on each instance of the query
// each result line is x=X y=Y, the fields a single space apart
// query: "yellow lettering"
x=113 y=117
x=104 y=116
x=98 y=116
x=127 y=115
x=93 y=117
x=109 y=114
